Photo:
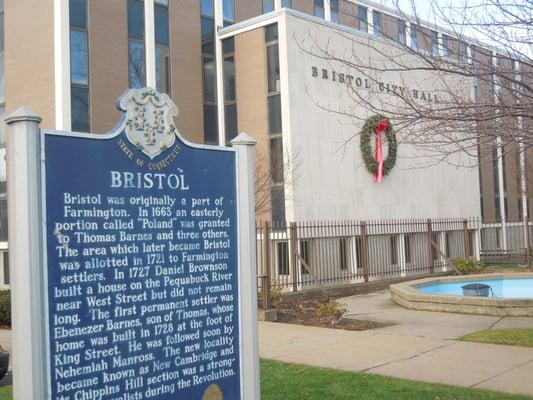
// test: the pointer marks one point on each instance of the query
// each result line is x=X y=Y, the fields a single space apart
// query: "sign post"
x=139 y=282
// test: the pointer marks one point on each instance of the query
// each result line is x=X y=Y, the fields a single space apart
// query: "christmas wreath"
x=376 y=126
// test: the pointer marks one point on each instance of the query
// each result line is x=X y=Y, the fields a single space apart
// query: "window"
x=393 y=250
x=162 y=53
x=319 y=8
x=136 y=60
x=230 y=99
x=282 y=250
x=407 y=248
x=401 y=32
x=363 y=18
x=274 y=123
x=228 y=9
x=434 y=43
x=305 y=253
x=445 y=46
x=79 y=66
x=209 y=71
x=334 y=4
x=268 y=5
x=376 y=23
x=463 y=56
x=414 y=43
x=343 y=254
x=286 y=3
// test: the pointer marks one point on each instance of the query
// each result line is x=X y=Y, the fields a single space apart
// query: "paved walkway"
x=420 y=347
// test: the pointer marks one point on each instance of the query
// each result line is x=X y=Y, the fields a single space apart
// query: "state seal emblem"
x=149 y=120
x=213 y=392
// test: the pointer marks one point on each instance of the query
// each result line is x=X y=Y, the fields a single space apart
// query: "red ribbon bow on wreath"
x=380 y=128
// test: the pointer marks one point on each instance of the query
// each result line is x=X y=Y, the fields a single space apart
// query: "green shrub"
x=466 y=266
x=332 y=309
x=5 y=307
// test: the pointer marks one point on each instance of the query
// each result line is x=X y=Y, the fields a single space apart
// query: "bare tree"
x=481 y=73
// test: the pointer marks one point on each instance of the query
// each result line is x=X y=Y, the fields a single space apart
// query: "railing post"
x=465 y=238
x=364 y=250
x=430 y=245
x=266 y=266
x=293 y=242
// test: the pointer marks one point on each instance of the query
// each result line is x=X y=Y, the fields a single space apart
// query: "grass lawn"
x=514 y=337
x=280 y=381
x=6 y=393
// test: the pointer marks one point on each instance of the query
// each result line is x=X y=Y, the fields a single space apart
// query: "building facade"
x=246 y=65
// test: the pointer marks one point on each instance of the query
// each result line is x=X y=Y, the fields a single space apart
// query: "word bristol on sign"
x=134 y=271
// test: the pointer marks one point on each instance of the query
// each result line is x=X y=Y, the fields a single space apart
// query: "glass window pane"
x=229 y=79
x=274 y=114
x=276 y=160
x=210 y=80
x=278 y=204
x=78 y=13
x=228 y=8
x=136 y=19
x=271 y=33
x=376 y=22
x=2 y=32
x=80 y=109
x=414 y=43
x=286 y=3
x=445 y=46
x=79 y=66
x=162 y=69
x=136 y=64
x=207 y=8
x=363 y=19
x=401 y=31
x=210 y=124
x=273 y=68
x=228 y=46
x=334 y=10
x=230 y=112
x=268 y=5
x=208 y=28
x=161 y=25
x=3 y=217
x=319 y=8
x=434 y=43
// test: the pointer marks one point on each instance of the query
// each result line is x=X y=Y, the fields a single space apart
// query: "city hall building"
x=254 y=66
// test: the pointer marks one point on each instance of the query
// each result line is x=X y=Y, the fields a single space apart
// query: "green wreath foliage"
x=366 y=147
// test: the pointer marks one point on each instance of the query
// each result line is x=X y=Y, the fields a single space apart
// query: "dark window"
x=79 y=63
x=228 y=9
x=319 y=8
x=274 y=114
x=278 y=204
x=414 y=42
x=445 y=46
x=78 y=13
x=286 y=3
x=393 y=250
x=434 y=43
x=207 y=8
x=334 y=10
x=3 y=214
x=401 y=32
x=230 y=112
x=80 y=109
x=161 y=25
x=210 y=80
x=363 y=18
x=276 y=161
x=283 y=257
x=273 y=68
x=268 y=5
x=376 y=23
x=271 y=33
x=162 y=69
x=407 y=248
x=136 y=64
x=343 y=254
x=210 y=124
x=136 y=19
x=305 y=253
x=136 y=59
x=463 y=56
x=229 y=79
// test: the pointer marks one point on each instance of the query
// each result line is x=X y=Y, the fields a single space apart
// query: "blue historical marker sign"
x=141 y=252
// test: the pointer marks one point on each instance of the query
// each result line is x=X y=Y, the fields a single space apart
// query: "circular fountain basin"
x=509 y=295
